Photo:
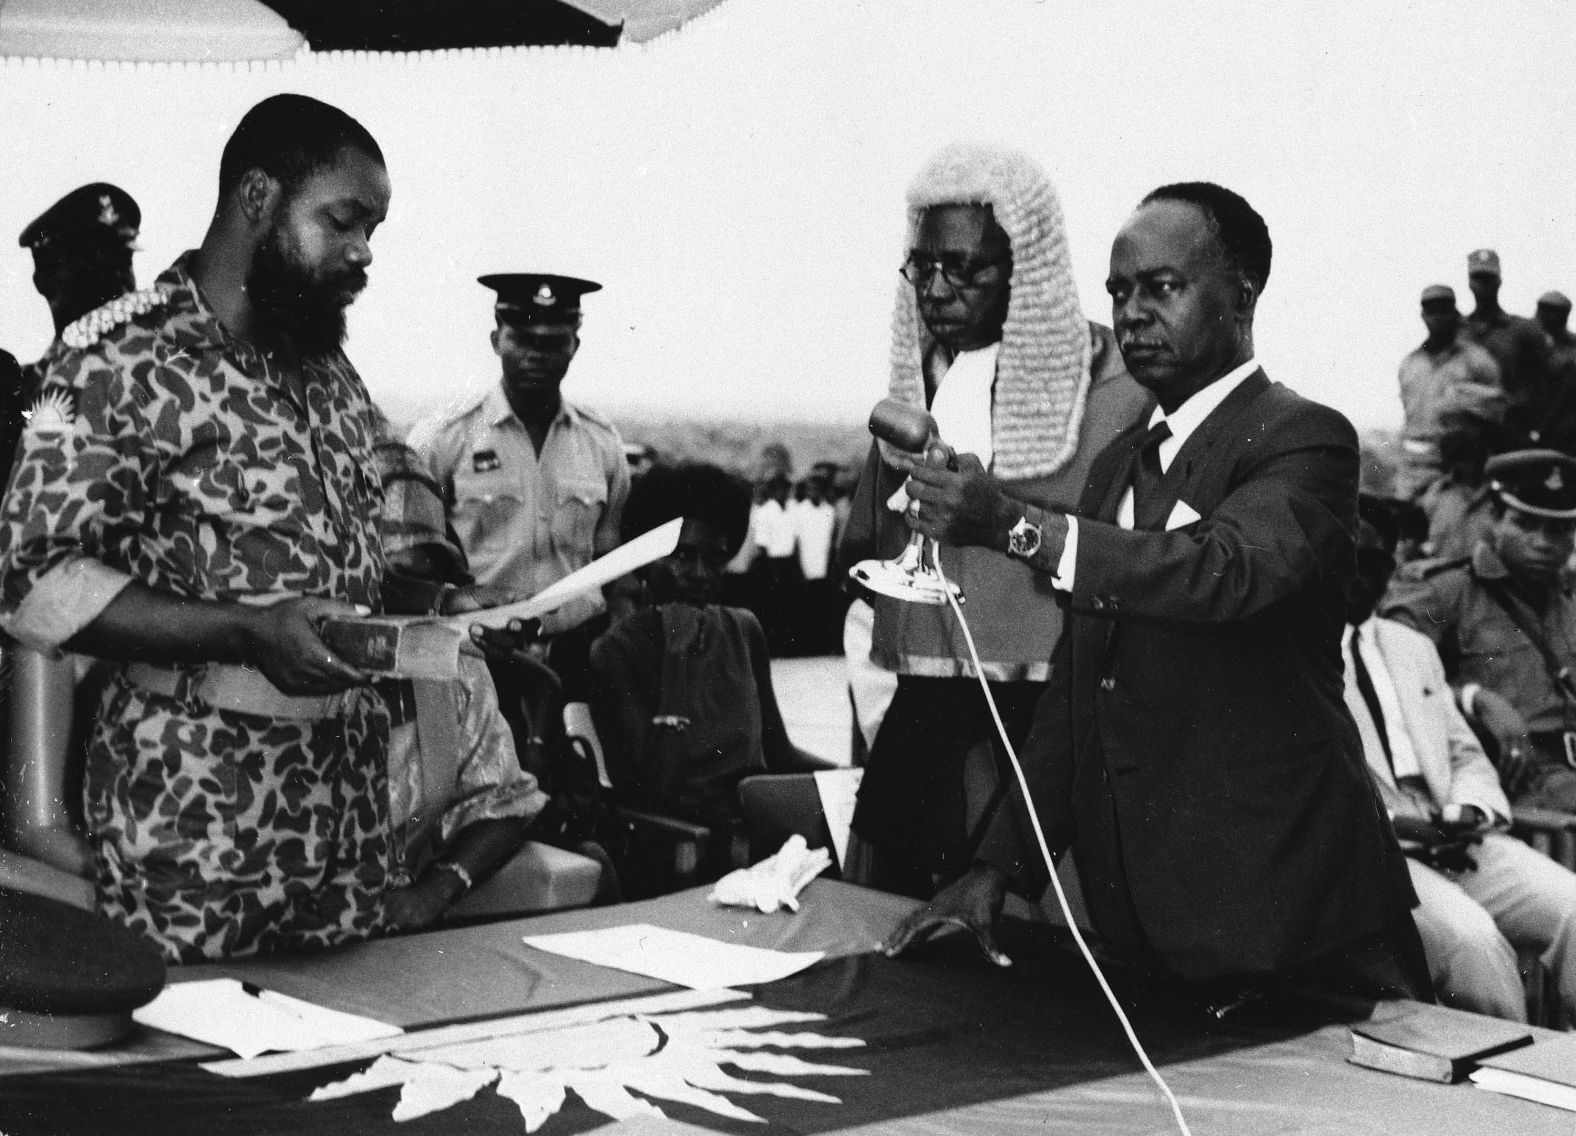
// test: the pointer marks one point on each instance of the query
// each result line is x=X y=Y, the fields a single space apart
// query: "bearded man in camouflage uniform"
x=195 y=493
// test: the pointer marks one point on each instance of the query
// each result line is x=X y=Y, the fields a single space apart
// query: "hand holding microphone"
x=952 y=498
x=912 y=577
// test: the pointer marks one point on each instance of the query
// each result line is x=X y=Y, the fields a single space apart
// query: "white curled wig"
x=1042 y=370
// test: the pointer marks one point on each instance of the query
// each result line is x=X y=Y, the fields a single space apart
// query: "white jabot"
x=1184 y=421
x=962 y=404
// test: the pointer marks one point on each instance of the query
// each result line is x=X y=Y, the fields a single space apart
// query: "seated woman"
x=681 y=687
x=460 y=805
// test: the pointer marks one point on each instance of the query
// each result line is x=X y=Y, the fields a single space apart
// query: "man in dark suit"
x=1194 y=748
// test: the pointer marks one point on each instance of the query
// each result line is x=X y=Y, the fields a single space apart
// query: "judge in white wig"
x=989 y=335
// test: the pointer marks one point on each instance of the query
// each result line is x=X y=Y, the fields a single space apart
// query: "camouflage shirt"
x=165 y=450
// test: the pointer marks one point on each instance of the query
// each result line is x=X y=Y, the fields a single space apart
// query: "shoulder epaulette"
x=1424 y=569
x=595 y=418
x=92 y=327
x=460 y=408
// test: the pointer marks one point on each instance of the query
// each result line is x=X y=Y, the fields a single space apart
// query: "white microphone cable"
x=1050 y=865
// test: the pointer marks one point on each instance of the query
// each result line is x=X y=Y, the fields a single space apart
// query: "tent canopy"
x=162 y=31
x=425 y=25
x=209 y=31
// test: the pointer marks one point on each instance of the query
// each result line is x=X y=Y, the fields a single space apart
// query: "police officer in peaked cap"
x=82 y=247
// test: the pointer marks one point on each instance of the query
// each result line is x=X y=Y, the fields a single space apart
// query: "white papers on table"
x=839 y=788
x=220 y=1011
x=676 y=956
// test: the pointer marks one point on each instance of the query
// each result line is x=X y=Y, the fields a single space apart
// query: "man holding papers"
x=192 y=497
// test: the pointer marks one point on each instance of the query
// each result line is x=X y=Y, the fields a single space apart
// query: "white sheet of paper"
x=654 y=545
x=676 y=956
x=219 y=1011
x=839 y=789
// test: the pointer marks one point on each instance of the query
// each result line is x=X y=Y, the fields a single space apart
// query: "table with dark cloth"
x=952 y=1044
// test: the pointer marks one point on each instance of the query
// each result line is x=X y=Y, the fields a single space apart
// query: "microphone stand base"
x=899 y=582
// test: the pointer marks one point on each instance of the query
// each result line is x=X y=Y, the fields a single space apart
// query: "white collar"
x=1191 y=414
x=499 y=410
x=1369 y=627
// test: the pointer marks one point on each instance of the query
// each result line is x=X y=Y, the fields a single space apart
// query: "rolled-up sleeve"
x=79 y=495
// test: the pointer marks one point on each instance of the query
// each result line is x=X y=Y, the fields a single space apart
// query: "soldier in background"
x=82 y=247
x=1559 y=422
x=1445 y=370
x=1516 y=343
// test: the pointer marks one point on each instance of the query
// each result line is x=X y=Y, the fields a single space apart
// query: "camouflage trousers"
x=219 y=834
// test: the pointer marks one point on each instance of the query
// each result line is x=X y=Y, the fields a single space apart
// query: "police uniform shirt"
x=527 y=520
x=1478 y=640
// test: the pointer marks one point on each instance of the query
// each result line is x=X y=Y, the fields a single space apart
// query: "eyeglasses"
x=918 y=270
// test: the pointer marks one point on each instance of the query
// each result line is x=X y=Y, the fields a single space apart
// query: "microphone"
x=902 y=425
x=912 y=577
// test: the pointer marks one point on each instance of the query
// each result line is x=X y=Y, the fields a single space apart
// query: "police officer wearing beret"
x=1504 y=621
x=534 y=485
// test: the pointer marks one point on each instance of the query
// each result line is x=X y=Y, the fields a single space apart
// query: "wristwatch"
x=1023 y=539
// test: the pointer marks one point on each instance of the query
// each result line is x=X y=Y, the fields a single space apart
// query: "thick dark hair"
x=289 y=138
x=1242 y=233
x=694 y=491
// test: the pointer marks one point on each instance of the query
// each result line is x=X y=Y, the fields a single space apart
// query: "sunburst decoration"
x=53 y=412
x=672 y=1057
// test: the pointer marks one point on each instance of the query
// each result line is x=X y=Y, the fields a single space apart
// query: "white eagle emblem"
x=52 y=413
x=108 y=216
x=1554 y=482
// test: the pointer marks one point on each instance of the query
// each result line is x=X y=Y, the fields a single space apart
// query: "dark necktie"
x=1147 y=474
x=1365 y=687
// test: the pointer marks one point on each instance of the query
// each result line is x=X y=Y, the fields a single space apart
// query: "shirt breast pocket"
x=216 y=486
x=579 y=507
x=488 y=512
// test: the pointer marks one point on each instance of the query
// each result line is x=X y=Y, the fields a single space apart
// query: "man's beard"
x=304 y=306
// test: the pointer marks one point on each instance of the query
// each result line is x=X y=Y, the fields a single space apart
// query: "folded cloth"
x=776 y=881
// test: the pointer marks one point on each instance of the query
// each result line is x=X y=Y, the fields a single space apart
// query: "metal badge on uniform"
x=53 y=413
x=485 y=461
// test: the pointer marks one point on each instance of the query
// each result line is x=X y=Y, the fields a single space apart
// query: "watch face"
x=1024 y=539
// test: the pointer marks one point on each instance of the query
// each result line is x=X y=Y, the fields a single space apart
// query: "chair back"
x=779 y=805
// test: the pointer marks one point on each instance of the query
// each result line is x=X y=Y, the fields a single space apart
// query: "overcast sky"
x=738 y=187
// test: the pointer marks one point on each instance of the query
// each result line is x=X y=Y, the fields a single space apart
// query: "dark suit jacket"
x=1194 y=747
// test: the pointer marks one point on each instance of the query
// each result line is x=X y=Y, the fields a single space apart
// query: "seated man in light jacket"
x=1479 y=890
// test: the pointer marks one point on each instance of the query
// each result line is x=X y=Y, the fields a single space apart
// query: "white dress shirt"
x=1184 y=421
